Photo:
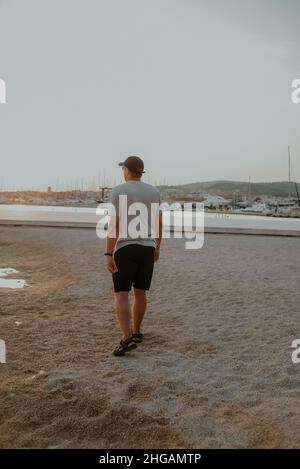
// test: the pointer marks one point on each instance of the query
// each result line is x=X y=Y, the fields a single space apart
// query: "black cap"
x=134 y=164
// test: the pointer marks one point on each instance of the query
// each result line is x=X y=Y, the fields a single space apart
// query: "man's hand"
x=111 y=265
x=156 y=254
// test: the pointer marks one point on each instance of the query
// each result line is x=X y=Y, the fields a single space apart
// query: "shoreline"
x=214 y=222
x=212 y=230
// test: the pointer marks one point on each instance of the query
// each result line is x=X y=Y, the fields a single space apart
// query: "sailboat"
x=292 y=208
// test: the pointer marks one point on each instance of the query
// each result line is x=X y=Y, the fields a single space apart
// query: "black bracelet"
x=108 y=254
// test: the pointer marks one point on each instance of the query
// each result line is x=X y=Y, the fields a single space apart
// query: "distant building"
x=215 y=201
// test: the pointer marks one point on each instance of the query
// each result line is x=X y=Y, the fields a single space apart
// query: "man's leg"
x=139 y=309
x=123 y=311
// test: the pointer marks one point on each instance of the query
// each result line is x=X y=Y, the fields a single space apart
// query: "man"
x=130 y=257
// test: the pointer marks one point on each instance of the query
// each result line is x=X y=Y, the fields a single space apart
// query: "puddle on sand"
x=13 y=282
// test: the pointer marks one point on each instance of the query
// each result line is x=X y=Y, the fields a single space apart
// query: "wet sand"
x=215 y=369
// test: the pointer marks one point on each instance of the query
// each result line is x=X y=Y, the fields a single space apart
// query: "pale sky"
x=200 y=89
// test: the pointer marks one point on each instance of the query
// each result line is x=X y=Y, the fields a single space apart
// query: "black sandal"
x=138 y=337
x=124 y=347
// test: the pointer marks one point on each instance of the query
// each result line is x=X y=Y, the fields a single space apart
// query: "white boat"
x=259 y=208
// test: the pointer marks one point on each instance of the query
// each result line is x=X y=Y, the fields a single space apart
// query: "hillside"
x=277 y=189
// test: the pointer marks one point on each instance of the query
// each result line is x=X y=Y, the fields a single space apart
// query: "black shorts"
x=135 y=267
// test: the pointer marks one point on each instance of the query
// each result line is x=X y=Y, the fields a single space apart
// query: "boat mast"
x=249 y=189
x=295 y=182
x=289 y=163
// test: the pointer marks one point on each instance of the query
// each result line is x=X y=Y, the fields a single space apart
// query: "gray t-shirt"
x=138 y=224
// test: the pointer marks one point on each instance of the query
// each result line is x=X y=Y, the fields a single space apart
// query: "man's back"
x=136 y=192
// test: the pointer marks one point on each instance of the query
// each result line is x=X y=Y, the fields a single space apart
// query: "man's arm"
x=159 y=238
x=111 y=239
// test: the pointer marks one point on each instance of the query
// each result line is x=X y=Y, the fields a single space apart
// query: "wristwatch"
x=108 y=254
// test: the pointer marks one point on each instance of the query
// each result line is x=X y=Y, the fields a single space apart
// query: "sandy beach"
x=214 y=371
